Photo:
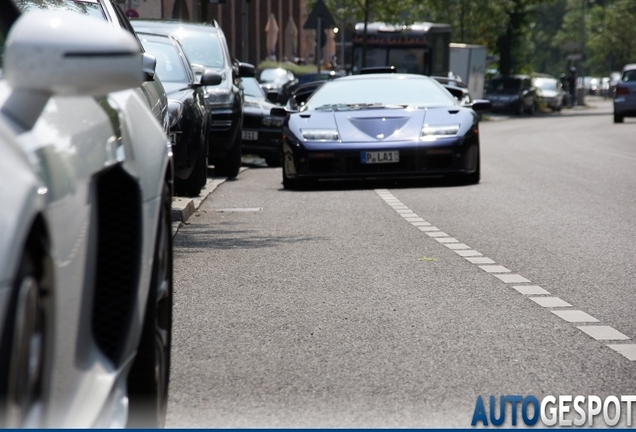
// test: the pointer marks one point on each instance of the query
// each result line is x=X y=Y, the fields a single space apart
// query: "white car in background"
x=85 y=244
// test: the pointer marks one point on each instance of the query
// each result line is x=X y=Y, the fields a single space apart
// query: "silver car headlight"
x=175 y=110
x=320 y=134
x=220 y=97
x=433 y=132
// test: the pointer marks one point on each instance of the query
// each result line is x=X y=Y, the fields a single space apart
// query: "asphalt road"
x=333 y=308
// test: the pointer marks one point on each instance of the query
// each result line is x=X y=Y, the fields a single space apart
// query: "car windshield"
x=546 y=84
x=279 y=76
x=90 y=8
x=201 y=47
x=379 y=92
x=170 y=68
x=251 y=88
x=504 y=86
x=629 y=75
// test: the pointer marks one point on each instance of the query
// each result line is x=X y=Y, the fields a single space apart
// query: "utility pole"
x=581 y=97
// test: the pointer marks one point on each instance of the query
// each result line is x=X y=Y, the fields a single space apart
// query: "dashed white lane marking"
x=511 y=278
x=574 y=316
x=428 y=228
x=494 y=269
x=457 y=246
x=548 y=302
x=437 y=234
x=530 y=290
x=480 y=260
x=475 y=257
x=447 y=240
x=628 y=350
x=468 y=253
x=603 y=333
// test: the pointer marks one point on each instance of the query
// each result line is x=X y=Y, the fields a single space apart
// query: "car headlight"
x=433 y=132
x=273 y=121
x=175 y=110
x=320 y=134
x=220 y=97
x=251 y=104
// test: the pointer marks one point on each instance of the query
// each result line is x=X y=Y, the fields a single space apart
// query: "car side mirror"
x=272 y=96
x=246 y=70
x=210 y=77
x=278 y=112
x=149 y=64
x=482 y=105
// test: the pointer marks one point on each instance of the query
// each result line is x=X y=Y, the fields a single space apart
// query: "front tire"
x=230 y=164
x=150 y=374
x=23 y=350
x=618 y=118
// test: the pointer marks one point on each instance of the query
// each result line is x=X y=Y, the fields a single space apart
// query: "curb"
x=183 y=208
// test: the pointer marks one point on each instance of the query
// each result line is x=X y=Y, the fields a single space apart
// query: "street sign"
x=319 y=11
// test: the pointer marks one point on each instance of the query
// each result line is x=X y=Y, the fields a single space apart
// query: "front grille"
x=350 y=164
x=252 y=122
x=118 y=263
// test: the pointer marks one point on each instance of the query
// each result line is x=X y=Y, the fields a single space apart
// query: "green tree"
x=612 y=37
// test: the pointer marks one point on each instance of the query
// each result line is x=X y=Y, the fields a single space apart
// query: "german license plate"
x=379 y=157
x=173 y=138
x=250 y=135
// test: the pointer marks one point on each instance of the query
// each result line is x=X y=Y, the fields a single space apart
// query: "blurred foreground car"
x=513 y=93
x=86 y=252
x=549 y=92
x=189 y=112
x=625 y=94
x=379 y=126
x=206 y=48
x=262 y=133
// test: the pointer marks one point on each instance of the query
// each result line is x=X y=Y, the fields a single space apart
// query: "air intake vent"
x=118 y=251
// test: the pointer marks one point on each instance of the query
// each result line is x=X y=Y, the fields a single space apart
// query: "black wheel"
x=23 y=351
x=532 y=109
x=520 y=108
x=192 y=185
x=230 y=164
x=474 y=177
x=293 y=183
x=618 y=118
x=150 y=373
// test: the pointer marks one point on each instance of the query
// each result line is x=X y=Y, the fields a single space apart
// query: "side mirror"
x=482 y=105
x=246 y=70
x=272 y=96
x=278 y=112
x=210 y=77
x=149 y=63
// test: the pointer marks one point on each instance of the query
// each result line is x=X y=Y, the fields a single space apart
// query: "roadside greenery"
x=523 y=35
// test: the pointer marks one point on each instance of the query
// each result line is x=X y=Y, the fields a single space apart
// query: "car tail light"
x=622 y=91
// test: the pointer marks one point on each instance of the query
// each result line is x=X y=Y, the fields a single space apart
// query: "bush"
x=292 y=67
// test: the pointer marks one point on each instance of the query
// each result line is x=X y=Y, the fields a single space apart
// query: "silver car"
x=85 y=250
x=625 y=94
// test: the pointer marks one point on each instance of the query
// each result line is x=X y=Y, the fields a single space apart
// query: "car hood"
x=549 y=93
x=176 y=91
x=254 y=105
x=380 y=125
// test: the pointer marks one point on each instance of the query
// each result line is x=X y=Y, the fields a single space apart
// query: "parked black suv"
x=206 y=48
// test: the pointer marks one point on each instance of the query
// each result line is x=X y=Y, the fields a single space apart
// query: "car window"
x=419 y=92
x=251 y=88
x=202 y=48
x=546 y=84
x=84 y=7
x=504 y=86
x=629 y=75
x=170 y=68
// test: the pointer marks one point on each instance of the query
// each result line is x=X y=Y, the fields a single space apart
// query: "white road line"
x=447 y=240
x=457 y=246
x=597 y=332
x=437 y=234
x=628 y=350
x=468 y=253
x=480 y=260
x=530 y=290
x=511 y=278
x=494 y=269
x=548 y=302
x=574 y=316
x=603 y=332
